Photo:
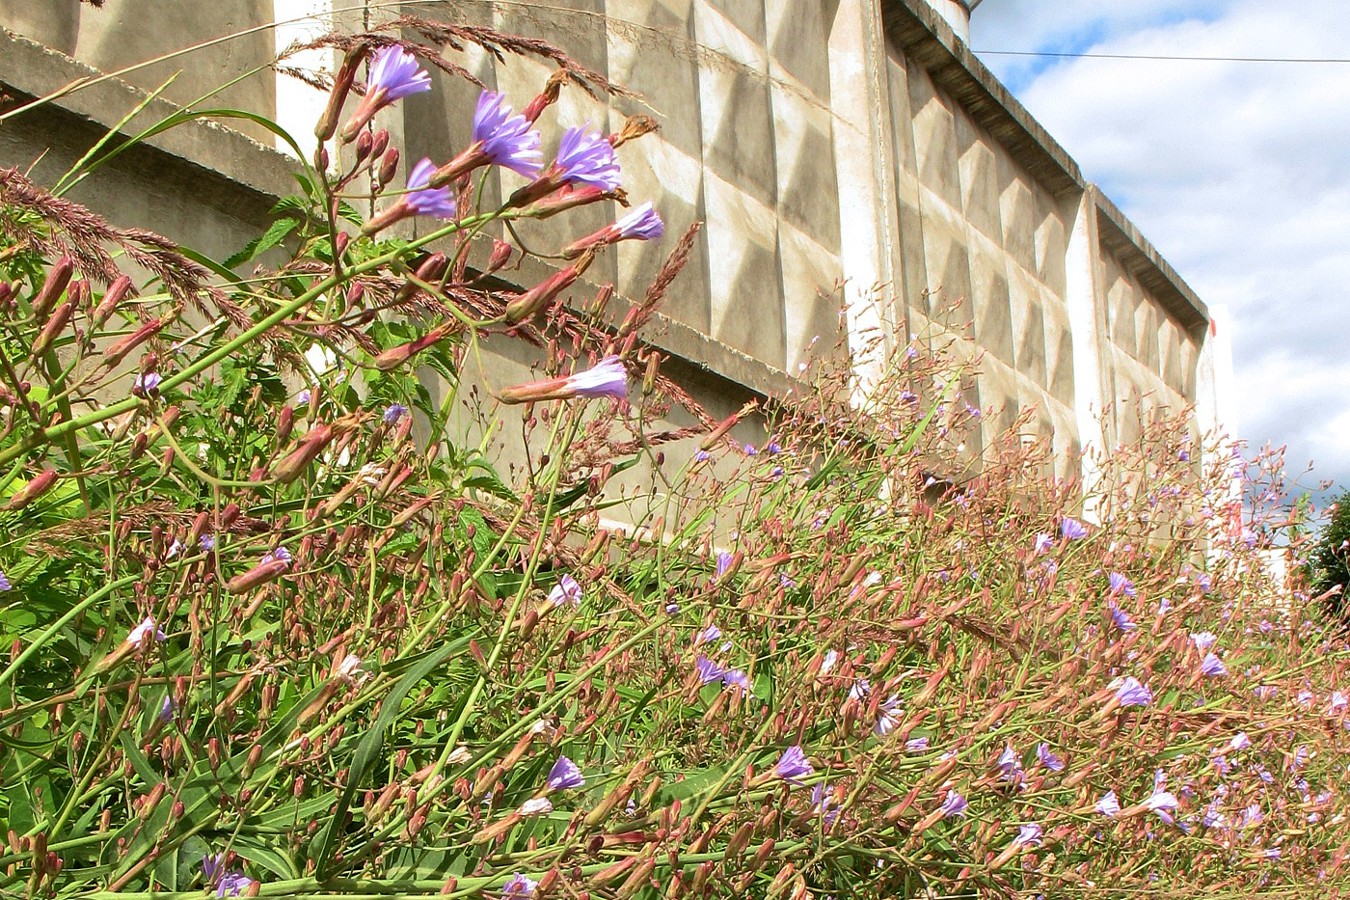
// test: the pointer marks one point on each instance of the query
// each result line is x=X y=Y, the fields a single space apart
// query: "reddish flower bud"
x=500 y=256
x=342 y=83
x=111 y=298
x=260 y=574
x=52 y=289
x=33 y=490
x=55 y=325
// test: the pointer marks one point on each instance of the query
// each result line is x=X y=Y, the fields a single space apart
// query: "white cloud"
x=1238 y=172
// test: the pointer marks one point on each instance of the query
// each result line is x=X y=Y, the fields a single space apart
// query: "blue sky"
x=1238 y=172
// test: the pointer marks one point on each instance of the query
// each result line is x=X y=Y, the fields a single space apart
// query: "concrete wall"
x=848 y=142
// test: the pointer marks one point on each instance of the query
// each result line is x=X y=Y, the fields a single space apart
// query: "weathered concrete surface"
x=853 y=142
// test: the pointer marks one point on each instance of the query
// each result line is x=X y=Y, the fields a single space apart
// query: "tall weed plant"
x=270 y=632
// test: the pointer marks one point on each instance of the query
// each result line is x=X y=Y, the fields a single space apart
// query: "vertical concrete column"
x=1087 y=330
x=1216 y=420
x=55 y=23
x=298 y=104
x=865 y=175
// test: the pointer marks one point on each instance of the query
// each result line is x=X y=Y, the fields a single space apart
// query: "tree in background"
x=1329 y=561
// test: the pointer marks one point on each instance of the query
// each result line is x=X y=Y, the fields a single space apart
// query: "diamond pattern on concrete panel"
x=1169 y=352
x=979 y=179
x=1120 y=303
x=673 y=181
x=652 y=51
x=1189 y=356
x=935 y=143
x=993 y=318
x=808 y=192
x=743 y=272
x=948 y=264
x=1146 y=324
x=912 y=271
x=1052 y=244
x=1017 y=215
x=902 y=119
x=1028 y=331
x=745 y=15
x=996 y=390
x=737 y=116
x=1058 y=354
x=811 y=302
x=1064 y=426
x=799 y=37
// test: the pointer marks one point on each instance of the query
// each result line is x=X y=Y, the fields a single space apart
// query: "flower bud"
x=342 y=83
x=542 y=294
x=258 y=575
x=115 y=353
x=33 y=490
x=430 y=271
x=397 y=356
x=379 y=143
x=364 y=141
x=500 y=256
x=305 y=452
x=52 y=289
x=111 y=298
x=55 y=325
x=388 y=167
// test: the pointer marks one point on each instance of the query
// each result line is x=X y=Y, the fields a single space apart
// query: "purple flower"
x=4 y=583
x=888 y=717
x=207 y=542
x=1121 y=585
x=1048 y=759
x=643 y=224
x=707 y=635
x=822 y=805
x=147 y=626
x=1009 y=766
x=565 y=775
x=567 y=592
x=1161 y=801
x=1273 y=853
x=1043 y=543
x=953 y=805
x=518 y=887
x=1121 y=620
x=723 y=564
x=607 y=378
x=1213 y=667
x=792 y=766
x=1239 y=741
x=279 y=554
x=227 y=884
x=1072 y=529
x=1203 y=640
x=1213 y=817
x=585 y=157
x=708 y=671
x=1338 y=703
x=146 y=383
x=395 y=74
x=166 y=710
x=916 y=745
x=702 y=456
x=1163 y=606
x=1131 y=692
x=439 y=203
x=1029 y=835
x=506 y=136
x=1108 y=805
x=303 y=398
x=774 y=448
x=735 y=678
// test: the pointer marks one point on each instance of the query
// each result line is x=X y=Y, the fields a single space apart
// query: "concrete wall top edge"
x=1119 y=235
x=927 y=39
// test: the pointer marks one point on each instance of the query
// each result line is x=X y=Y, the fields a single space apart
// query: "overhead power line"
x=1243 y=59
